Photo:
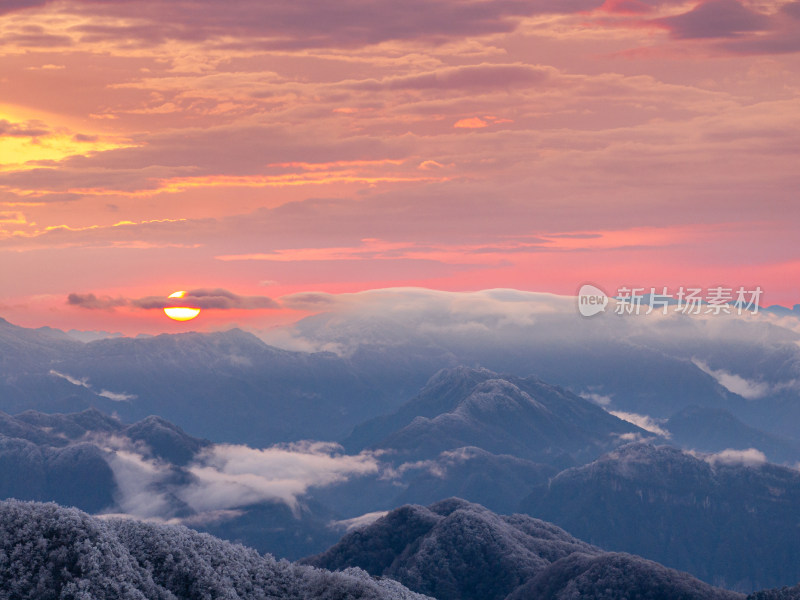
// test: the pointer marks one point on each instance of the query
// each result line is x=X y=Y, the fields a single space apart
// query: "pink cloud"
x=646 y=141
x=502 y=76
x=626 y=7
x=715 y=19
x=290 y=25
x=29 y=129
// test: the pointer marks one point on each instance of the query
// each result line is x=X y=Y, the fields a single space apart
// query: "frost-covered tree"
x=455 y=550
x=52 y=553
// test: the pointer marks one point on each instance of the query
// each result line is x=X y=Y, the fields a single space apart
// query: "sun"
x=181 y=313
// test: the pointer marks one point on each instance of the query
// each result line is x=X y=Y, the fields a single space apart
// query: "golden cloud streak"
x=180 y=184
x=307 y=166
x=286 y=180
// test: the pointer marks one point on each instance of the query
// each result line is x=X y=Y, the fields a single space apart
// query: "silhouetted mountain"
x=715 y=429
x=723 y=519
x=88 y=336
x=501 y=414
x=457 y=550
x=78 y=475
x=51 y=553
x=229 y=386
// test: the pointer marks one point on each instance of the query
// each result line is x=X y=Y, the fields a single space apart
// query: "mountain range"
x=231 y=386
x=512 y=444
x=730 y=518
x=690 y=485
x=455 y=550
x=502 y=414
x=451 y=549
x=148 y=470
x=62 y=458
x=654 y=365
x=226 y=386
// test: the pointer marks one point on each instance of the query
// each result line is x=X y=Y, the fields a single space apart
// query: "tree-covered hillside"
x=455 y=550
x=53 y=553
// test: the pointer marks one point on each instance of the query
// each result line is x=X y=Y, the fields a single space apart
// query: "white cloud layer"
x=751 y=390
x=230 y=476
x=225 y=477
x=746 y=458
x=358 y=522
x=645 y=422
x=140 y=489
x=402 y=315
x=84 y=382
x=599 y=399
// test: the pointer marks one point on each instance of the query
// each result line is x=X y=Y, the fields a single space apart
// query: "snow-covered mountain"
x=502 y=414
x=455 y=550
x=728 y=518
x=153 y=469
x=227 y=386
x=716 y=429
x=231 y=386
x=653 y=365
x=53 y=553
x=67 y=459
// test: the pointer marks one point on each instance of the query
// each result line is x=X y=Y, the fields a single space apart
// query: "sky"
x=251 y=151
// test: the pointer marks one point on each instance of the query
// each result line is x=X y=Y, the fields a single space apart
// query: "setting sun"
x=181 y=313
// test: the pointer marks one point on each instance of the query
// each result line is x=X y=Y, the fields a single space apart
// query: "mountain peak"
x=675 y=508
x=165 y=439
x=461 y=373
x=448 y=506
x=497 y=395
x=501 y=414
x=467 y=552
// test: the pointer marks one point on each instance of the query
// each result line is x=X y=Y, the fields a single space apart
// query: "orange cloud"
x=470 y=123
x=29 y=137
x=282 y=146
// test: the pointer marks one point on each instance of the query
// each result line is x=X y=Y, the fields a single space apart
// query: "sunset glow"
x=267 y=149
x=180 y=313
